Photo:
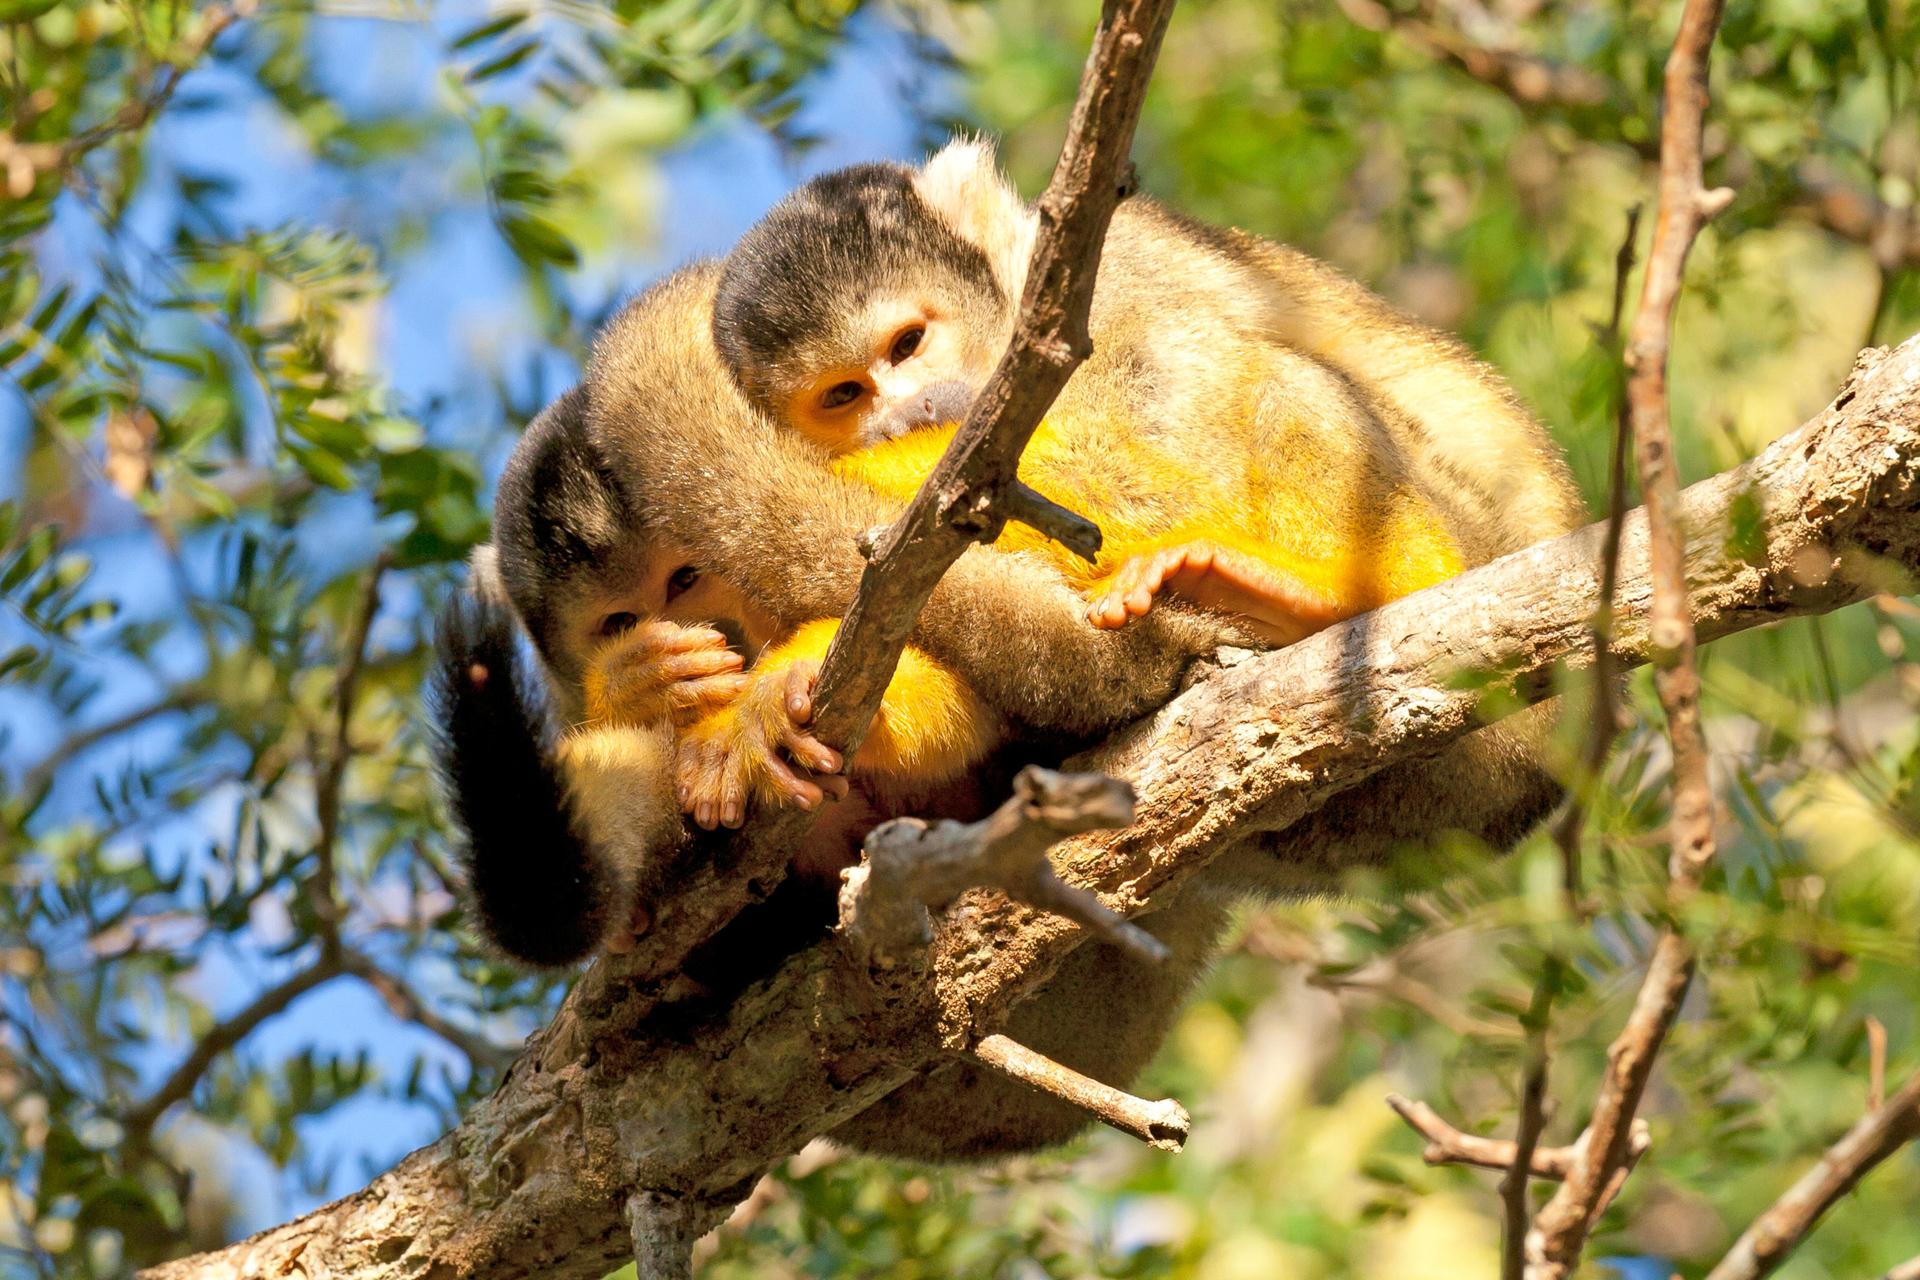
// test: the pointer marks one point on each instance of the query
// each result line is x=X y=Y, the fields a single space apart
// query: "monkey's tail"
x=539 y=889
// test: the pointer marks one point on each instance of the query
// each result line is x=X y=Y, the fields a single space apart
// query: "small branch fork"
x=912 y=865
x=1448 y=1145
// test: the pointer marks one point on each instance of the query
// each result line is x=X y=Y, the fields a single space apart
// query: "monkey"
x=638 y=647
x=764 y=508
x=763 y=504
x=561 y=829
x=869 y=306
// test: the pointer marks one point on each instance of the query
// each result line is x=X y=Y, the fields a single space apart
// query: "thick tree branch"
x=1778 y=1231
x=536 y=1179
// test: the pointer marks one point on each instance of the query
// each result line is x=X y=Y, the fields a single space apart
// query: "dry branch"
x=912 y=865
x=1776 y=1233
x=536 y=1179
x=1448 y=1145
x=1162 y=1124
x=1560 y=1230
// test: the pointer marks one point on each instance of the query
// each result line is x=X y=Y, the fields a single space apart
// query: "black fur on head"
x=559 y=512
x=535 y=885
x=820 y=254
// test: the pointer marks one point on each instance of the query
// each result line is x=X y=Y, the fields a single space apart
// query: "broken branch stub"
x=912 y=865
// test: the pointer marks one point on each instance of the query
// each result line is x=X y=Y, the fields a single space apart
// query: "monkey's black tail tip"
x=540 y=892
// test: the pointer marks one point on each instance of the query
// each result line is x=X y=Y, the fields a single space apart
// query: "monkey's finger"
x=733 y=787
x=697 y=663
x=810 y=751
x=786 y=783
x=694 y=700
x=801 y=677
x=834 y=784
x=671 y=637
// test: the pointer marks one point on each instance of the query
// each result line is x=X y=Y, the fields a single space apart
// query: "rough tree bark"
x=695 y=1104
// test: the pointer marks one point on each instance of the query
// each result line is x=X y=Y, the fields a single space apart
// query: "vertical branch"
x=665 y=1229
x=1560 y=1232
x=333 y=769
x=1513 y=1187
x=1606 y=717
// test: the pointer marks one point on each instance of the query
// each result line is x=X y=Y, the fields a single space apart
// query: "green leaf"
x=505 y=62
x=536 y=240
x=488 y=30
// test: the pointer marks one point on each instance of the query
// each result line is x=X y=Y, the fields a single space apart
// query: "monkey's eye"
x=906 y=343
x=682 y=581
x=842 y=393
x=618 y=623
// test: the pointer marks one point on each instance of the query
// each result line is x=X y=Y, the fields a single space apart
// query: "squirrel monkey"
x=647 y=658
x=1221 y=462
x=562 y=829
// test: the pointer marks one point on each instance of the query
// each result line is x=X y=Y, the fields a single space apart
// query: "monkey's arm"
x=930 y=727
x=554 y=835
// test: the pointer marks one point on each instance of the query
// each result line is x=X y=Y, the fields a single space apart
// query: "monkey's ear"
x=483 y=577
x=964 y=187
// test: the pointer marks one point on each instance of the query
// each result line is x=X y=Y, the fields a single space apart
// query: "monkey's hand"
x=662 y=671
x=1280 y=607
x=743 y=749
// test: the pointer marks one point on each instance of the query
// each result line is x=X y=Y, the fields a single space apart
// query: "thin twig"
x=1908 y=1270
x=1163 y=1124
x=1560 y=1231
x=1448 y=1145
x=1777 y=1232
x=140 y=1119
x=1513 y=1187
x=333 y=768
x=1876 y=1064
x=912 y=865
x=43 y=773
x=1570 y=827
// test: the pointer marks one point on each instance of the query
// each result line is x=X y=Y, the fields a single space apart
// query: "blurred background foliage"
x=247 y=443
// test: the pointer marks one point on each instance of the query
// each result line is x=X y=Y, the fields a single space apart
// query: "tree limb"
x=535 y=1180
x=1777 y=1232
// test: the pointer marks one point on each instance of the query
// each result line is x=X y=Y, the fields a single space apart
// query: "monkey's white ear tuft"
x=963 y=186
x=483 y=575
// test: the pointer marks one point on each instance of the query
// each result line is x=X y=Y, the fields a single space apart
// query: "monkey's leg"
x=1280 y=608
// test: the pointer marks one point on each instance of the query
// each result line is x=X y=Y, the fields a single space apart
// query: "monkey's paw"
x=659 y=670
x=1277 y=605
x=744 y=750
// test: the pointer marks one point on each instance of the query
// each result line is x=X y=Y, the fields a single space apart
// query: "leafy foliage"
x=226 y=804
